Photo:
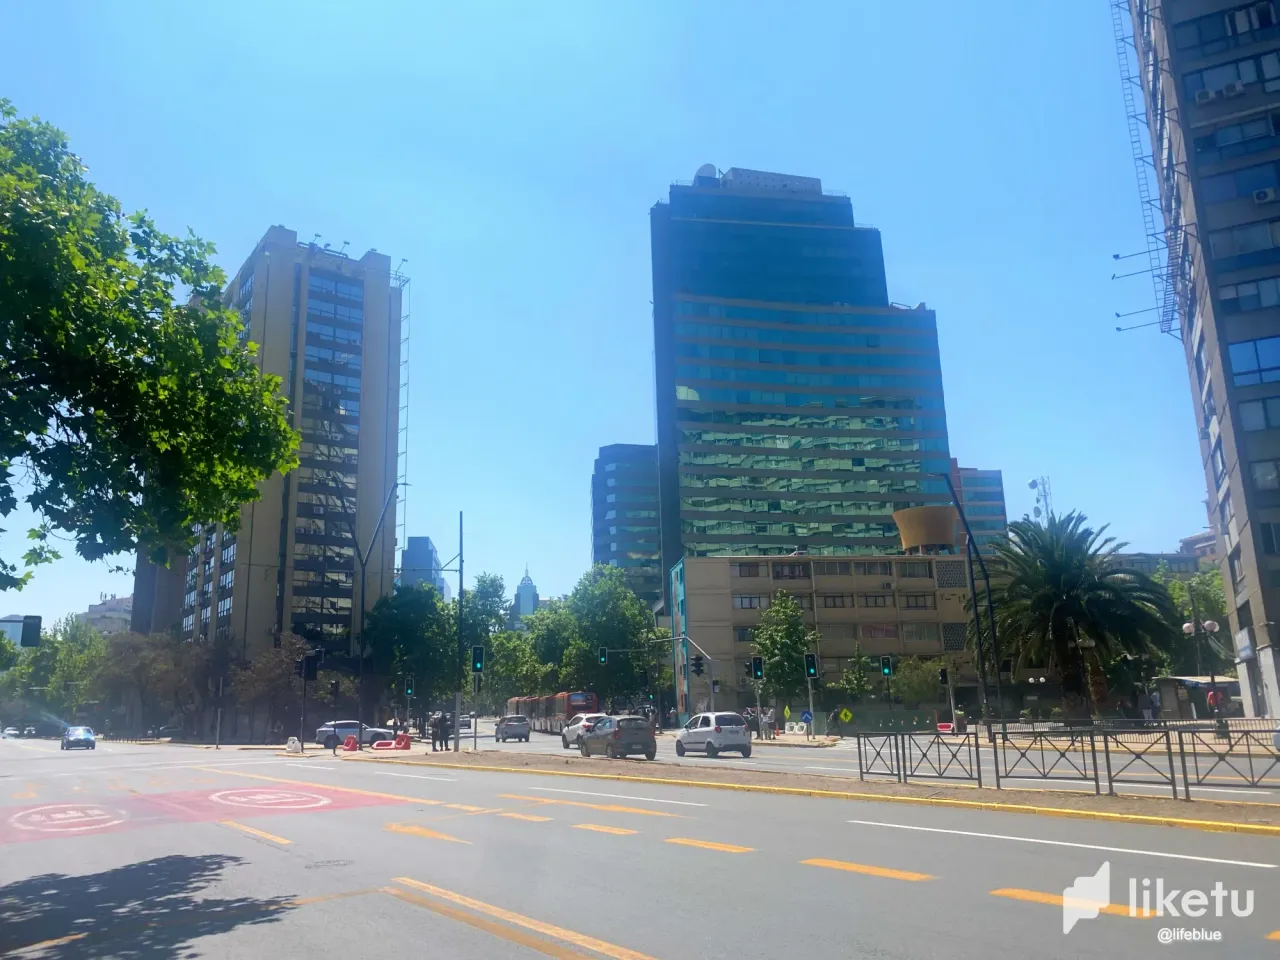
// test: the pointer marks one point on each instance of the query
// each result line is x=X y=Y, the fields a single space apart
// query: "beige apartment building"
x=910 y=603
x=1209 y=76
x=330 y=327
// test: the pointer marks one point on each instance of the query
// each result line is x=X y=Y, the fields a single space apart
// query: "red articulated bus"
x=552 y=713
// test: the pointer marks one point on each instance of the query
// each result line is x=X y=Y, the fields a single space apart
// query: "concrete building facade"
x=797 y=408
x=329 y=327
x=1209 y=72
x=624 y=516
x=981 y=493
x=420 y=563
x=112 y=615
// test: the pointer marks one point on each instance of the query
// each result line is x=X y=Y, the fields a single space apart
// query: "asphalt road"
x=162 y=851
x=1141 y=775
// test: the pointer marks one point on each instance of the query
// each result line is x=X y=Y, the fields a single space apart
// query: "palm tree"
x=1065 y=603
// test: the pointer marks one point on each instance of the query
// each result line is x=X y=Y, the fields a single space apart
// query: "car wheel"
x=63 y=746
x=609 y=752
x=582 y=749
x=746 y=751
x=679 y=749
x=93 y=746
x=711 y=749
x=650 y=754
x=564 y=742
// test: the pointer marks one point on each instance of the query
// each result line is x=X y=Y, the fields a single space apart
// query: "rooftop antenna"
x=315 y=237
x=403 y=261
x=327 y=245
x=345 y=244
x=1044 y=497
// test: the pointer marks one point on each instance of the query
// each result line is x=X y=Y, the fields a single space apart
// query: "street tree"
x=551 y=629
x=782 y=639
x=915 y=681
x=1200 y=597
x=857 y=679
x=607 y=613
x=412 y=633
x=512 y=669
x=131 y=408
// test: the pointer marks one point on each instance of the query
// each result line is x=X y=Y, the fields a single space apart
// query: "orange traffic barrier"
x=350 y=745
x=384 y=745
x=401 y=741
x=946 y=728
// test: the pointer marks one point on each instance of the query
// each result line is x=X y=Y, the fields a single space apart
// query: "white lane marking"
x=1252 y=793
x=416 y=776
x=836 y=769
x=619 y=796
x=1066 y=843
x=312 y=766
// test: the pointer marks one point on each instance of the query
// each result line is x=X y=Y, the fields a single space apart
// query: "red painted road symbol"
x=260 y=799
x=67 y=818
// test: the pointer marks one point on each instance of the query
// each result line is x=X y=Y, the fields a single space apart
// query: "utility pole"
x=363 y=559
x=217 y=726
x=302 y=720
x=808 y=727
x=457 y=698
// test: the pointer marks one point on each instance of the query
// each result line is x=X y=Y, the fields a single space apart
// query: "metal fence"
x=1103 y=757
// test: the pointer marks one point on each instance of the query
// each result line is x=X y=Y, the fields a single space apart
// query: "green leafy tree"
x=130 y=408
x=1197 y=654
x=915 y=681
x=412 y=632
x=512 y=668
x=857 y=680
x=607 y=613
x=551 y=629
x=782 y=639
x=1063 y=581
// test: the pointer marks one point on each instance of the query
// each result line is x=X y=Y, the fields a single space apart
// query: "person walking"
x=435 y=733
x=1144 y=703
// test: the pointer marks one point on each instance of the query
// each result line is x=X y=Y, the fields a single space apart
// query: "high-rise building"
x=624 y=515
x=329 y=326
x=112 y=615
x=1209 y=72
x=525 y=601
x=420 y=563
x=797 y=408
x=981 y=493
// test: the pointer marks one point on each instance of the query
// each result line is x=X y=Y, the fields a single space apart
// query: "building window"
x=832 y=568
x=1219 y=463
x=227 y=580
x=1199 y=361
x=916 y=570
x=1246 y=238
x=746 y=569
x=874 y=600
x=746 y=603
x=1247 y=297
x=1269 y=533
x=791 y=571
x=836 y=600
x=1226 y=514
x=1239 y=183
x=1225 y=29
x=1255 y=361
x=1266 y=474
x=872 y=568
x=1260 y=414
x=1265 y=68
x=1238 y=139
x=742 y=634
x=879 y=631
x=803 y=600
x=919 y=601
x=224 y=607
x=920 y=632
x=188 y=623
x=1235 y=567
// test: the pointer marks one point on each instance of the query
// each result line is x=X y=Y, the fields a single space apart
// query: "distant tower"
x=525 y=602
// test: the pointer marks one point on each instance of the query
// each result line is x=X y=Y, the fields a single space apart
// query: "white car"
x=571 y=735
x=11 y=733
x=713 y=732
x=347 y=728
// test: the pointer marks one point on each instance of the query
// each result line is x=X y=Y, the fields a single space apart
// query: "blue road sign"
x=806 y=717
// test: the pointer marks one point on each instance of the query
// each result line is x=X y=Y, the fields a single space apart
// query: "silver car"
x=512 y=727
x=341 y=729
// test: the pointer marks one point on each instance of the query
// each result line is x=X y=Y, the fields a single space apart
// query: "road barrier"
x=1102 y=756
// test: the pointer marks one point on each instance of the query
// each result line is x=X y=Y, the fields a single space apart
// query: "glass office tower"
x=796 y=407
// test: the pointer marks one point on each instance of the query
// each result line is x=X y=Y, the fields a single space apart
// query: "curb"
x=1211 y=826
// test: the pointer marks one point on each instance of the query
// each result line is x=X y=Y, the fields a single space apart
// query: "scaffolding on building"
x=401 y=281
x=1166 y=242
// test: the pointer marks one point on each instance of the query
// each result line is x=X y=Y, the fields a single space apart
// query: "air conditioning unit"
x=887 y=585
x=1204 y=96
x=1234 y=89
x=1265 y=195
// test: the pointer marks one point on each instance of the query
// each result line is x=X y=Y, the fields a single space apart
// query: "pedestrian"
x=1144 y=703
x=395 y=727
x=435 y=733
x=1155 y=703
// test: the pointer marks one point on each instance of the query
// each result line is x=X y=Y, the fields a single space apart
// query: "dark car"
x=619 y=737
x=74 y=737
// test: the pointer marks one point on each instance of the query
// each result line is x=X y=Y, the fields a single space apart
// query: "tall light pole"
x=1197 y=628
x=362 y=557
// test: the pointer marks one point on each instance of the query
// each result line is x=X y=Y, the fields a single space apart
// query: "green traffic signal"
x=477 y=659
x=757 y=668
x=604 y=655
x=811 y=666
x=886 y=666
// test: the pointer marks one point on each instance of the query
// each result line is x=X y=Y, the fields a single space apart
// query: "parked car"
x=11 y=733
x=571 y=735
x=347 y=728
x=513 y=727
x=78 y=737
x=619 y=737
x=713 y=732
x=29 y=732
x=465 y=723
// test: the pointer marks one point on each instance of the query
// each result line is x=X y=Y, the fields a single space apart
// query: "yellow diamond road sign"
x=846 y=715
x=786 y=713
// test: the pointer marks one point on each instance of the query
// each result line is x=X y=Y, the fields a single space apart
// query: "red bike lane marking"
x=158 y=809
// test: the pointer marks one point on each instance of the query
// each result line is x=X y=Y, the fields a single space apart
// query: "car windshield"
x=515 y=718
x=633 y=723
x=729 y=720
x=80 y=732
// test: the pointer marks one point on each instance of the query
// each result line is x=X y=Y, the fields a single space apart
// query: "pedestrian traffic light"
x=1006 y=667
x=697 y=665
x=334 y=687
x=757 y=668
x=604 y=655
x=477 y=659
x=30 y=636
x=886 y=666
x=310 y=664
x=942 y=676
x=811 y=665
x=298 y=666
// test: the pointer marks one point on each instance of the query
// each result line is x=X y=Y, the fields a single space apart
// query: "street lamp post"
x=362 y=557
x=1197 y=628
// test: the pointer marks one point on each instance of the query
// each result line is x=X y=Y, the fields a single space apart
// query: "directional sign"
x=806 y=716
x=845 y=714
x=270 y=799
x=786 y=713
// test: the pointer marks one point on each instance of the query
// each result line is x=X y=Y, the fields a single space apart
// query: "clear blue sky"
x=512 y=151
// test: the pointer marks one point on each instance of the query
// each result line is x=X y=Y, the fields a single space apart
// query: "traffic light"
x=299 y=666
x=477 y=659
x=811 y=665
x=1006 y=667
x=310 y=663
x=334 y=687
x=604 y=655
x=757 y=668
x=942 y=676
x=697 y=665
x=746 y=668
x=30 y=632
x=886 y=666
x=408 y=686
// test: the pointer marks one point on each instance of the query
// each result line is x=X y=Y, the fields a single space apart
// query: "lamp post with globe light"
x=1195 y=627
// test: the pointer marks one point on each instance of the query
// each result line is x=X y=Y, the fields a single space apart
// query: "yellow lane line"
x=1274 y=935
x=55 y=942
x=414 y=830
x=867 y=869
x=532 y=818
x=560 y=933
x=1054 y=900
x=607 y=807
x=469 y=808
x=29 y=792
x=708 y=845
x=255 y=832
x=601 y=828
x=488 y=926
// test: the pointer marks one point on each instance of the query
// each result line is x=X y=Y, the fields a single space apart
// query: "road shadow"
x=149 y=910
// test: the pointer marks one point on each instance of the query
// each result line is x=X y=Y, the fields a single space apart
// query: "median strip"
x=867 y=869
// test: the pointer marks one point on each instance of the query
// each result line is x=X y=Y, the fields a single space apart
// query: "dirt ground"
x=1247 y=817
